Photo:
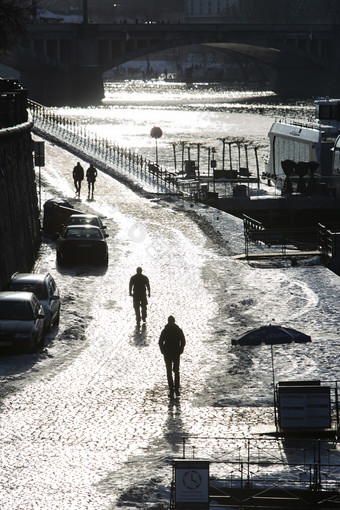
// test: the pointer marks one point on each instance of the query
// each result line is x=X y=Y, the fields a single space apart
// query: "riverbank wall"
x=20 y=232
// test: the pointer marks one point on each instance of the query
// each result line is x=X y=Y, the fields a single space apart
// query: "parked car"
x=22 y=322
x=82 y=243
x=86 y=219
x=56 y=214
x=46 y=290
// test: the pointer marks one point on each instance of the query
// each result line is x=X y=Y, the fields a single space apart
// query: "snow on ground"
x=87 y=423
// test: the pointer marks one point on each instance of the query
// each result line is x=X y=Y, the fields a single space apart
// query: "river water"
x=86 y=424
x=188 y=115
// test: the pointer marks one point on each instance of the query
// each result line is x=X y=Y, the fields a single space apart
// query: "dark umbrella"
x=272 y=335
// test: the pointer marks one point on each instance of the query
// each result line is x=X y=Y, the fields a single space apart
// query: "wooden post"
x=257 y=169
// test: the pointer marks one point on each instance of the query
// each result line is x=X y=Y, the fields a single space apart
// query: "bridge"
x=63 y=63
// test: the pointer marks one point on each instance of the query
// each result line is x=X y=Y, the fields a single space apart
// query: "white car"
x=21 y=321
x=46 y=290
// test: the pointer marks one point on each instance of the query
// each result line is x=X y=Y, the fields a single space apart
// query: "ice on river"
x=87 y=423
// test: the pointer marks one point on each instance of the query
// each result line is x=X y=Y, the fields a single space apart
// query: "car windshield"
x=90 y=233
x=83 y=221
x=16 y=310
x=38 y=288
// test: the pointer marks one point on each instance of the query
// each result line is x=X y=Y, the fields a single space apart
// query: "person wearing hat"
x=171 y=344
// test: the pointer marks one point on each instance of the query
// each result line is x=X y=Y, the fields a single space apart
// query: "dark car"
x=46 y=290
x=86 y=219
x=82 y=243
x=21 y=320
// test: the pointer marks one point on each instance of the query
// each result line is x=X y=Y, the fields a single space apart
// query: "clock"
x=192 y=479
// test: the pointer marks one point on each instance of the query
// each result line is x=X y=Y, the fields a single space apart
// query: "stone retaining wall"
x=20 y=233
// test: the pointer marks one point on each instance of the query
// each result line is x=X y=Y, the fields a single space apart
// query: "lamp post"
x=223 y=140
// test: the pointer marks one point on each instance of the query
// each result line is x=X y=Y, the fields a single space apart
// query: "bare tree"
x=14 y=17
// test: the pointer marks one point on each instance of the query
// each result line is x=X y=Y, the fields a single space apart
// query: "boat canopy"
x=295 y=132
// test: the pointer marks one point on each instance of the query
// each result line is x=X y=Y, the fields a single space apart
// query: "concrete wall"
x=20 y=234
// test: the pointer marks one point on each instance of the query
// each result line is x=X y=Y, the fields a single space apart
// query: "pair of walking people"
x=78 y=177
x=172 y=339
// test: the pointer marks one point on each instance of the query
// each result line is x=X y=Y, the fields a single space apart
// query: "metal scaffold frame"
x=264 y=472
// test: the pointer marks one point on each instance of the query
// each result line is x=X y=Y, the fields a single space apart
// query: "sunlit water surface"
x=188 y=115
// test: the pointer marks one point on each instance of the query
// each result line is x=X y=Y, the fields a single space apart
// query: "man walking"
x=78 y=176
x=171 y=344
x=139 y=285
x=91 y=175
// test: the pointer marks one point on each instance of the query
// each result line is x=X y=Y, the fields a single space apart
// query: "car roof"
x=12 y=295
x=84 y=216
x=30 y=277
x=83 y=227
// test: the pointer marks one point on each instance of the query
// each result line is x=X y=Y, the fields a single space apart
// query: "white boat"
x=305 y=156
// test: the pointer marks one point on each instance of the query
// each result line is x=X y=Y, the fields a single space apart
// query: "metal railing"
x=107 y=155
x=262 y=464
x=279 y=239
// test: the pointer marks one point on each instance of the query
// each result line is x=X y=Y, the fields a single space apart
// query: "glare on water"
x=187 y=114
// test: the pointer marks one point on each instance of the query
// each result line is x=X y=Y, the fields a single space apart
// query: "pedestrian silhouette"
x=91 y=175
x=171 y=344
x=78 y=176
x=138 y=287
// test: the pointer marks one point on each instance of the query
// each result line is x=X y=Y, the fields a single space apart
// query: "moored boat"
x=304 y=156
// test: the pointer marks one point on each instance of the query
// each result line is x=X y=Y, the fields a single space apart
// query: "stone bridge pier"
x=298 y=76
x=67 y=71
x=79 y=86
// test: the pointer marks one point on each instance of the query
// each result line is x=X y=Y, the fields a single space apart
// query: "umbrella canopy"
x=272 y=335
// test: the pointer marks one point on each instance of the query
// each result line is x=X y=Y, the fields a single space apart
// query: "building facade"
x=214 y=11
x=262 y=11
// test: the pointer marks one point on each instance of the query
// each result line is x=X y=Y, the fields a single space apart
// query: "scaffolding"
x=263 y=472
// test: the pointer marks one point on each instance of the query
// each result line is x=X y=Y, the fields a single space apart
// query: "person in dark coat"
x=78 y=176
x=91 y=175
x=171 y=344
x=138 y=287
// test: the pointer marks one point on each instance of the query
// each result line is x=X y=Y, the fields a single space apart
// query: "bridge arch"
x=69 y=59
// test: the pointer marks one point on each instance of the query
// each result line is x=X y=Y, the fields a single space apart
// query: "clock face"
x=192 y=479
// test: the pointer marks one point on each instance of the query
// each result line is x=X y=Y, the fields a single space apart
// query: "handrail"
x=72 y=135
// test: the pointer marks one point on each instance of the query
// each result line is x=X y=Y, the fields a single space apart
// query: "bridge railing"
x=103 y=152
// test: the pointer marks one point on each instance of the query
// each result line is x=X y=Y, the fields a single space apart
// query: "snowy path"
x=87 y=423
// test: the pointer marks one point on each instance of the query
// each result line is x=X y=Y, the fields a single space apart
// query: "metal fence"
x=109 y=156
